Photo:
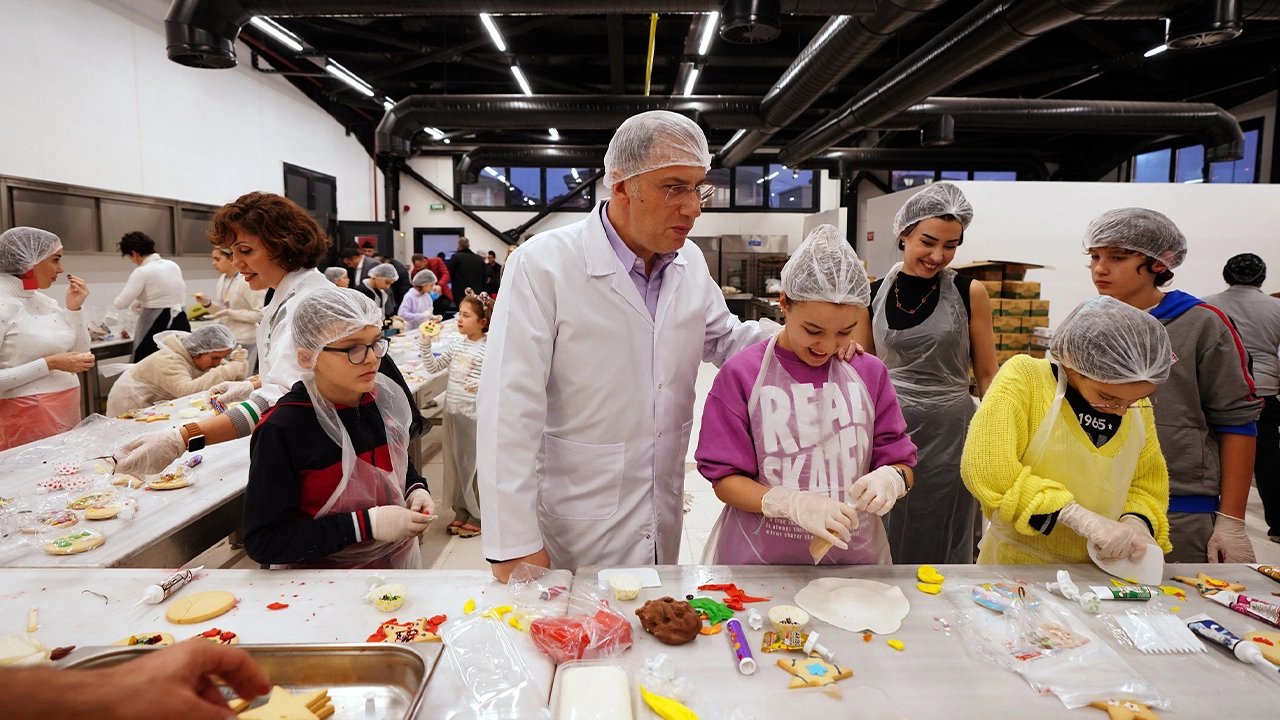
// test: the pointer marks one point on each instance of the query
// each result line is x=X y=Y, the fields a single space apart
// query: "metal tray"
x=378 y=680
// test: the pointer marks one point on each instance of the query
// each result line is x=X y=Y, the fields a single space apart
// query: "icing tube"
x=1254 y=608
x=1121 y=592
x=155 y=594
x=738 y=641
x=1245 y=652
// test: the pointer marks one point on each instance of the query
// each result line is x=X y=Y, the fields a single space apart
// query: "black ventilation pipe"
x=1216 y=128
x=841 y=45
x=202 y=33
x=471 y=163
x=1027 y=165
x=573 y=112
x=983 y=35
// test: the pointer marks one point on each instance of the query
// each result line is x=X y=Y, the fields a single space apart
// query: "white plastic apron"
x=1098 y=478
x=809 y=439
x=929 y=365
x=365 y=486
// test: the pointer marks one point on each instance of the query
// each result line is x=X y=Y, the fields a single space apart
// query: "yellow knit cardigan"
x=992 y=467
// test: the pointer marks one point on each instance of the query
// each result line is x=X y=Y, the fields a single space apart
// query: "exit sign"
x=437 y=206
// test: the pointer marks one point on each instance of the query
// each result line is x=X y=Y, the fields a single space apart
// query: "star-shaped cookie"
x=1204 y=582
x=1126 y=710
x=814 y=672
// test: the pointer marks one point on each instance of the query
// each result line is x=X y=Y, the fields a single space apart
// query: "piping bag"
x=1244 y=650
x=1245 y=605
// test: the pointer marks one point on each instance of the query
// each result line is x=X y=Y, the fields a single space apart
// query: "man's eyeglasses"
x=356 y=354
x=677 y=194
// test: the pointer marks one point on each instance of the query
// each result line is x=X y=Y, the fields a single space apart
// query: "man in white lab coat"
x=586 y=396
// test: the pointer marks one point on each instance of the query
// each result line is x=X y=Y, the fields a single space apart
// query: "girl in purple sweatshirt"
x=806 y=450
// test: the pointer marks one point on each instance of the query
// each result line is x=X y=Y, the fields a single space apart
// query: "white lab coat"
x=586 y=403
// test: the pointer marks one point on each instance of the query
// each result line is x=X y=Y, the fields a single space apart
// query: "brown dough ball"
x=672 y=621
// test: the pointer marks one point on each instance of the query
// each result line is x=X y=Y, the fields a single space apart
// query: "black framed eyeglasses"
x=357 y=354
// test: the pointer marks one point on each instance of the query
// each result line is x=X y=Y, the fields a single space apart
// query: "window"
x=763 y=188
x=722 y=178
x=1188 y=164
x=1185 y=163
x=790 y=189
x=748 y=186
x=527 y=188
x=995 y=175
x=903 y=179
x=1152 y=167
x=1244 y=170
x=316 y=192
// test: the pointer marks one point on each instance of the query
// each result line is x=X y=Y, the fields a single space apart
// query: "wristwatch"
x=195 y=438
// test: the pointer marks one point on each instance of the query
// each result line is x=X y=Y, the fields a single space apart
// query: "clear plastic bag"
x=591 y=629
x=498 y=683
x=539 y=591
x=1041 y=640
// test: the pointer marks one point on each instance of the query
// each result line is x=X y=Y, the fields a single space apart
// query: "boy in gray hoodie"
x=1207 y=412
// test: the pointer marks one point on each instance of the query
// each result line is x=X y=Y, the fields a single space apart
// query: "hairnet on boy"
x=423 y=278
x=386 y=272
x=825 y=268
x=653 y=140
x=936 y=200
x=1141 y=230
x=328 y=314
x=210 y=338
x=1111 y=341
x=22 y=248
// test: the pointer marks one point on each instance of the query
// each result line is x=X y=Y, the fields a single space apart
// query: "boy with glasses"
x=330 y=482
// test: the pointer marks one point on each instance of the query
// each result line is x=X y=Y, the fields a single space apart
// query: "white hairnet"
x=825 y=268
x=334 y=273
x=210 y=338
x=1141 y=230
x=423 y=278
x=653 y=140
x=1113 y=342
x=936 y=200
x=386 y=272
x=328 y=314
x=22 y=248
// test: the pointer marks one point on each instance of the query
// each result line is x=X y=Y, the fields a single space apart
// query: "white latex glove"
x=1229 y=542
x=239 y=368
x=232 y=391
x=239 y=355
x=150 y=453
x=1113 y=539
x=878 y=490
x=825 y=518
x=392 y=523
x=420 y=501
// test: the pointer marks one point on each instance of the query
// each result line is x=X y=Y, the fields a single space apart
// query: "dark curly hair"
x=292 y=237
x=137 y=241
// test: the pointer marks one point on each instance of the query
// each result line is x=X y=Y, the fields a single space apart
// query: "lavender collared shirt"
x=647 y=285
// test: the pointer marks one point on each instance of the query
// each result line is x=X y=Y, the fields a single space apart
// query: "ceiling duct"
x=202 y=33
x=750 y=22
x=842 y=44
x=1216 y=128
x=565 y=112
x=1205 y=23
x=472 y=163
x=1026 y=164
x=992 y=30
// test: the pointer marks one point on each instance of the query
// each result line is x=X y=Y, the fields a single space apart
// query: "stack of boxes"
x=1018 y=315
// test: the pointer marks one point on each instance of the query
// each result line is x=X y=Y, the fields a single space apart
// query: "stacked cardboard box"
x=1016 y=308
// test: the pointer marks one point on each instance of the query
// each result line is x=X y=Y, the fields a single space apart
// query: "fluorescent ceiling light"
x=489 y=25
x=576 y=176
x=277 y=31
x=524 y=84
x=708 y=32
x=690 y=80
x=491 y=171
x=554 y=133
x=388 y=103
x=435 y=133
x=770 y=176
x=349 y=78
x=1155 y=51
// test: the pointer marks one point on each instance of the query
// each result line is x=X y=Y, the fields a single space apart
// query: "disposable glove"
x=232 y=391
x=239 y=368
x=824 y=518
x=878 y=490
x=238 y=355
x=420 y=501
x=1229 y=542
x=392 y=523
x=151 y=453
x=1113 y=539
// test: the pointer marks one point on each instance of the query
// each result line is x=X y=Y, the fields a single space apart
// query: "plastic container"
x=594 y=690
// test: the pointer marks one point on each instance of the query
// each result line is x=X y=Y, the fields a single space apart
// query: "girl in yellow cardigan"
x=1063 y=451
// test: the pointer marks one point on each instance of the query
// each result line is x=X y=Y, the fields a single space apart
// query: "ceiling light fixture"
x=690 y=80
x=708 y=32
x=277 y=32
x=349 y=78
x=554 y=133
x=388 y=103
x=770 y=176
x=524 y=84
x=1155 y=51
x=491 y=171
x=576 y=176
x=435 y=133
x=492 y=27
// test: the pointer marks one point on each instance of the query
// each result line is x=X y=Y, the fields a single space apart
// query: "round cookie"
x=199 y=607
x=84 y=501
x=102 y=511
x=672 y=621
x=156 y=639
x=1269 y=642
x=172 y=480
x=75 y=543
x=52 y=519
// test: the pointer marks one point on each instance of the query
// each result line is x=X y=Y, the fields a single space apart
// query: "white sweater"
x=156 y=283
x=33 y=325
x=243 y=305
x=464 y=358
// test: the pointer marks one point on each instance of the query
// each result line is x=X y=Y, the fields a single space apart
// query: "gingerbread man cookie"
x=1126 y=709
x=814 y=672
x=1203 y=582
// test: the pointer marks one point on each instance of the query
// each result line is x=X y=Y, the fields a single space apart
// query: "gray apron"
x=929 y=366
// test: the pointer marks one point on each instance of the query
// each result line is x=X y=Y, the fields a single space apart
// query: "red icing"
x=277 y=606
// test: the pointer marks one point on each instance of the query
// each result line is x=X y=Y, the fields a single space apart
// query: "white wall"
x=1044 y=223
x=91 y=99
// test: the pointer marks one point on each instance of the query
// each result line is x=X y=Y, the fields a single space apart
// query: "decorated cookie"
x=103 y=510
x=1269 y=642
x=52 y=519
x=413 y=631
x=813 y=672
x=171 y=480
x=199 y=607
x=672 y=621
x=284 y=705
x=157 y=417
x=1126 y=709
x=84 y=501
x=1203 y=582
x=66 y=468
x=158 y=639
x=75 y=543
x=220 y=637
x=429 y=329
